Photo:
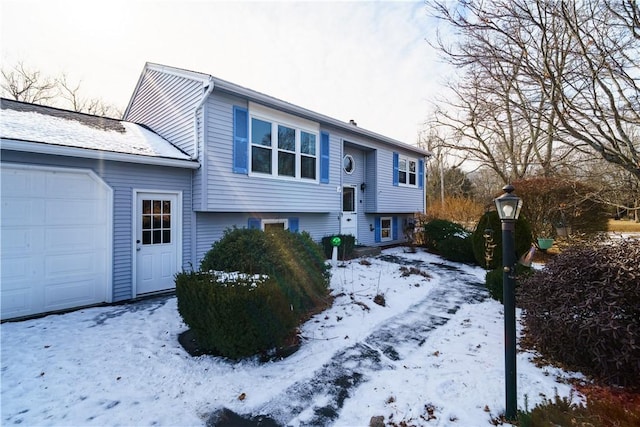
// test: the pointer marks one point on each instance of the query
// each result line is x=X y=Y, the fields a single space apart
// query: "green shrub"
x=495 y=280
x=345 y=250
x=491 y=221
x=438 y=230
x=583 y=310
x=457 y=249
x=234 y=317
x=293 y=260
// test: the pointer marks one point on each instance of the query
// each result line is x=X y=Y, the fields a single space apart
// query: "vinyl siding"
x=211 y=226
x=226 y=191
x=123 y=178
x=166 y=103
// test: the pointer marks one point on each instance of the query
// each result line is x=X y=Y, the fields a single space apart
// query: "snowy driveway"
x=317 y=401
x=431 y=356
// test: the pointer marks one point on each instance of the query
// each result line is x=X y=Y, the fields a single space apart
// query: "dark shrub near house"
x=449 y=240
x=491 y=221
x=234 y=315
x=345 y=250
x=583 y=310
x=293 y=260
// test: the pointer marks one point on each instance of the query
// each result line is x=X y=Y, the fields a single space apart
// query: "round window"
x=348 y=163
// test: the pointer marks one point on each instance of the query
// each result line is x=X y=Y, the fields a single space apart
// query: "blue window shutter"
x=254 y=223
x=394 y=225
x=377 y=232
x=395 y=168
x=240 y=140
x=293 y=225
x=324 y=157
x=420 y=173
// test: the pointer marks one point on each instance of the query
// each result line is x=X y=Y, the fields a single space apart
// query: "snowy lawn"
x=123 y=365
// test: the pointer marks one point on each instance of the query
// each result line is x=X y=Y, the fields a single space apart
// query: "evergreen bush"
x=457 y=248
x=345 y=250
x=583 y=310
x=438 y=230
x=293 y=260
x=235 y=316
x=491 y=221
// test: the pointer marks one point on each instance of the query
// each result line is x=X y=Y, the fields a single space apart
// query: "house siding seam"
x=120 y=176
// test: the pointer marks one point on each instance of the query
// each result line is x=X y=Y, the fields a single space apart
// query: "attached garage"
x=56 y=231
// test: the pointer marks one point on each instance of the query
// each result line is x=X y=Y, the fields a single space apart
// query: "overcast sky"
x=361 y=60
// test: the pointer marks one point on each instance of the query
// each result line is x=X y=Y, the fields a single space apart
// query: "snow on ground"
x=123 y=365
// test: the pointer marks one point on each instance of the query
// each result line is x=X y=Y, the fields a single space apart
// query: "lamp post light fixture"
x=509 y=206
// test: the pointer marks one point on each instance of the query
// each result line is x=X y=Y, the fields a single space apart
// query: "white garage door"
x=56 y=240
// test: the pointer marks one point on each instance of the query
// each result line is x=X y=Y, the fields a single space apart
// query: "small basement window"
x=385 y=229
x=268 y=225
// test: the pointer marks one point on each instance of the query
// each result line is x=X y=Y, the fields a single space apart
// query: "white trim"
x=110 y=212
x=134 y=231
x=390 y=219
x=276 y=119
x=86 y=153
x=284 y=221
x=408 y=160
x=353 y=163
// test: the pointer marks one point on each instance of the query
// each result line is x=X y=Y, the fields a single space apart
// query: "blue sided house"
x=99 y=210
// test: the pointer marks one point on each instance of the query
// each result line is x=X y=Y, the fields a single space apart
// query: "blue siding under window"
x=395 y=168
x=240 y=140
x=324 y=157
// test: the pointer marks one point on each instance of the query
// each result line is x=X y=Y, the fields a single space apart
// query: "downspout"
x=196 y=147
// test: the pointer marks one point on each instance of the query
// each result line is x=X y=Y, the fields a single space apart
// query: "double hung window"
x=407 y=171
x=283 y=146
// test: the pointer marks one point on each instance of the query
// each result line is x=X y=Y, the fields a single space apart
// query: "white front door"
x=157 y=241
x=349 y=219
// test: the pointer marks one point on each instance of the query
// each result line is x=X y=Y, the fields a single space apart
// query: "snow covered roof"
x=38 y=128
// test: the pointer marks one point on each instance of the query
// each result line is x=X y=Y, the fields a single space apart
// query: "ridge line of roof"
x=263 y=98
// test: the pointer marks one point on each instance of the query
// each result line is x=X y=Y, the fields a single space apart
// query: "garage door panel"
x=80 y=212
x=17 y=211
x=18 y=241
x=17 y=302
x=16 y=270
x=70 y=293
x=70 y=186
x=67 y=265
x=74 y=239
x=23 y=183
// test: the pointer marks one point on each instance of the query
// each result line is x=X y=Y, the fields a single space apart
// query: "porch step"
x=360 y=251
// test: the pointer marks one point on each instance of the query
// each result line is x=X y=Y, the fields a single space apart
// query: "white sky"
x=366 y=61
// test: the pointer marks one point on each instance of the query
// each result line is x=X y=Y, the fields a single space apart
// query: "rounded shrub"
x=491 y=221
x=437 y=230
x=293 y=260
x=449 y=240
x=583 y=310
x=235 y=316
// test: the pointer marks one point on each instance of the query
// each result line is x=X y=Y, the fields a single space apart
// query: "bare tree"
x=23 y=84
x=542 y=80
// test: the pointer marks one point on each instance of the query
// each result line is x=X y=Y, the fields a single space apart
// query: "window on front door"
x=156 y=221
x=348 y=199
x=385 y=229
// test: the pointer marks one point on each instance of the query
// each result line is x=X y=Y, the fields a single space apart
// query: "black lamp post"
x=509 y=206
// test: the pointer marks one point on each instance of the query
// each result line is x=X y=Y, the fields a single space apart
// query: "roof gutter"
x=196 y=134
